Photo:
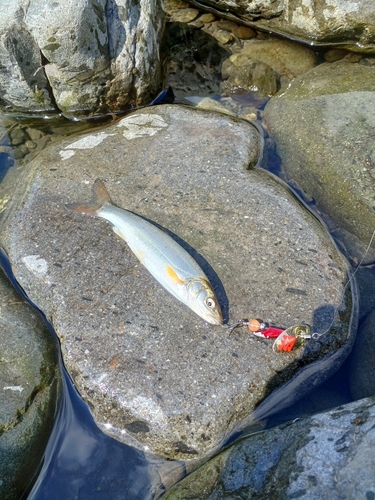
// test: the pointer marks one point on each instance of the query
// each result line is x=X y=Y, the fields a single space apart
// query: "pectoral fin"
x=173 y=275
x=136 y=251
x=118 y=232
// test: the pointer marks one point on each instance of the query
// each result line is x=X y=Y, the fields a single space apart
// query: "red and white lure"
x=286 y=339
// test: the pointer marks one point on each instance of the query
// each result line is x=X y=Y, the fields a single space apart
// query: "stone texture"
x=152 y=371
x=329 y=455
x=323 y=125
x=313 y=21
x=29 y=388
x=261 y=65
x=248 y=76
x=135 y=31
x=79 y=57
x=285 y=57
x=22 y=85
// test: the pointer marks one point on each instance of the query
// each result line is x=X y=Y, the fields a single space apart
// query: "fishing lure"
x=288 y=339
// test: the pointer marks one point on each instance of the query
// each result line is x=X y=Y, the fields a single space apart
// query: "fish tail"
x=99 y=198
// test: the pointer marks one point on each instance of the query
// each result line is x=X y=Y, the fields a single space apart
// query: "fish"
x=170 y=264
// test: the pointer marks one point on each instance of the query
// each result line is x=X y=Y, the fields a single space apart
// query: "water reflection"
x=83 y=463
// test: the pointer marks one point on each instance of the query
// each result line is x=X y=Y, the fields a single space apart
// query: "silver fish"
x=165 y=259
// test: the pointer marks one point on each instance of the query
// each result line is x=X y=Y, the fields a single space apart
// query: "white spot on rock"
x=18 y=388
x=141 y=125
x=147 y=409
x=87 y=142
x=36 y=264
x=102 y=377
x=90 y=141
x=66 y=154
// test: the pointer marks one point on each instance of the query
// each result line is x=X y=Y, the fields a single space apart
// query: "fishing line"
x=351 y=276
x=289 y=338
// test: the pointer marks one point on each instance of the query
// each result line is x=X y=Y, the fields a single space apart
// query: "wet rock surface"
x=286 y=58
x=79 y=57
x=291 y=461
x=322 y=124
x=152 y=371
x=319 y=21
x=29 y=390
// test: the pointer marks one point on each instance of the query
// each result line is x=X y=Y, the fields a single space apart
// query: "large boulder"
x=329 y=455
x=322 y=124
x=314 y=21
x=79 y=57
x=30 y=389
x=154 y=373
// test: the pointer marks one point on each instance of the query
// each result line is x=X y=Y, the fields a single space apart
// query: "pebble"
x=207 y=18
x=222 y=37
x=239 y=31
x=334 y=55
x=34 y=134
x=184 y=15
x=17 y=136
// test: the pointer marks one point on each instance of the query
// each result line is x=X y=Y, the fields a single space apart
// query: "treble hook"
x=240 y=322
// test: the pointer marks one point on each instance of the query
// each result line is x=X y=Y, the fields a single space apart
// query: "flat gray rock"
x=29 y=390
x=153 y=372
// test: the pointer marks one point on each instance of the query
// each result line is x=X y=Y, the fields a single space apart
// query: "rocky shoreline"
x=155 y=376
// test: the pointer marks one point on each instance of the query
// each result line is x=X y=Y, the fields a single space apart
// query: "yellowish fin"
x=173 y=275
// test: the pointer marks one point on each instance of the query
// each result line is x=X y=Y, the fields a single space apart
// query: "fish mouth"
x=214 y=320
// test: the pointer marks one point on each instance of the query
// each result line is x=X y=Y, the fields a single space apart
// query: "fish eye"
x=210 y=303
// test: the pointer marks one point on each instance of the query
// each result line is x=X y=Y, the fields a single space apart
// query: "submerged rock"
x=323 y=125
x=290 y=461
x=30 y=385
x=248 y=76
x=79 y=57
x=153 y=372
x=260 y=65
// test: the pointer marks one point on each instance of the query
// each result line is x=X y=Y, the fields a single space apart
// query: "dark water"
x=82 y=463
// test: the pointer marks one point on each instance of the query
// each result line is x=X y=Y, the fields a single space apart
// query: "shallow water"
x=80 y=461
